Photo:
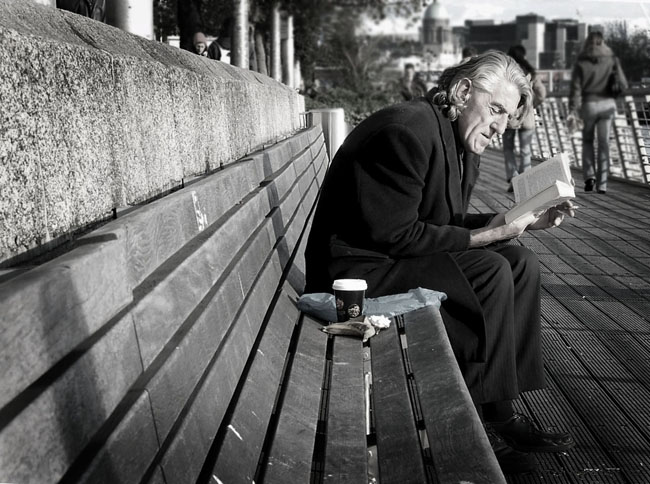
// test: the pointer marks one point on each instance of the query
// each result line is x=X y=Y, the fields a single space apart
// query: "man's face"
x=485 y=114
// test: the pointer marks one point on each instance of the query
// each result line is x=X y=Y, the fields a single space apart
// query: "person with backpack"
x=596 y=80
x=526 y=129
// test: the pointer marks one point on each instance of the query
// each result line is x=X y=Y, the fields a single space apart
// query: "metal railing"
x=629 y=138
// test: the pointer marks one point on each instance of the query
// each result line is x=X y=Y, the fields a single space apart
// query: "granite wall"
x=95 y=119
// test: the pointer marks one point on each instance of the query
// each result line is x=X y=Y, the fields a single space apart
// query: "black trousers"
x=505 y=279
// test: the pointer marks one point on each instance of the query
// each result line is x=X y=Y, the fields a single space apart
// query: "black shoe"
x=589 y=185
x=523 y=435
x=510 y=460
x=602 y=192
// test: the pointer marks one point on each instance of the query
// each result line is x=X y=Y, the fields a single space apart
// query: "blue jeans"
x=597 y=117
x=525 y=140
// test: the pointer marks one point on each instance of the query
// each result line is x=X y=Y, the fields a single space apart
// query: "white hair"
x=485 y=71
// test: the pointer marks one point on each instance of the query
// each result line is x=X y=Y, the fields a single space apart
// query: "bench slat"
x=291 y=452
x=346 y=457
x=188 y=447
x=398 y=447
x=161 y=311
x=157 y=230
x=119 y=461
x=173 y=383
x=47 y=311
x=240 y=452
x=453 y=426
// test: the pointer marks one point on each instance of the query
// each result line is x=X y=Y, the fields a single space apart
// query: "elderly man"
x=393 y=211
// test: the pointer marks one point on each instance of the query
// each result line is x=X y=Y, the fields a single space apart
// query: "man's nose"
x=500 y=124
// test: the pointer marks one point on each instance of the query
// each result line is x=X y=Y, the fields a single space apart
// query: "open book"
x=543 y=186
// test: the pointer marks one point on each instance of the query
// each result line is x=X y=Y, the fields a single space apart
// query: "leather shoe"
x=523 y=435
x=510 y=460
x=589 y=185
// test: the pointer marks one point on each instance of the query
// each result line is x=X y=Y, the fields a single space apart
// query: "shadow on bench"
x=167 y=348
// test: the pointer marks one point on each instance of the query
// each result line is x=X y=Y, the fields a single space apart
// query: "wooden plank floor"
x=596 y=330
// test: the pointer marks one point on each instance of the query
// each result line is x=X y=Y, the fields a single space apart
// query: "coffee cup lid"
x=350 y=285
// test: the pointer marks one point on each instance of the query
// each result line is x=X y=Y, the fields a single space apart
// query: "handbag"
x=614 y=83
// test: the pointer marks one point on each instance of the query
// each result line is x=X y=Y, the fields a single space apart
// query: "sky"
x=635 y=12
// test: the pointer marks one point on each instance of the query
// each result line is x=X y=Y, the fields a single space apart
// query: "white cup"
x=349 y=295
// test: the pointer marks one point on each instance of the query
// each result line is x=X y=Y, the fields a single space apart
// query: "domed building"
x=436 y=29
x=437 y=38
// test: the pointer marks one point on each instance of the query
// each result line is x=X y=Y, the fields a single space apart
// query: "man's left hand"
x=553 y=216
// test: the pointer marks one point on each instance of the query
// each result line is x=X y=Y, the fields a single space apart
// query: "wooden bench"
x=166 y=347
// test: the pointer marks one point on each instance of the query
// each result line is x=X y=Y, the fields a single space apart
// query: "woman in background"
x=527 y=127
x=592 y=100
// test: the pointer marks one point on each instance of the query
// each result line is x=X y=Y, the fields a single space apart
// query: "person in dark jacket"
x=190 y=25
x=591 y=100
x=393 y=211
x=95 y=9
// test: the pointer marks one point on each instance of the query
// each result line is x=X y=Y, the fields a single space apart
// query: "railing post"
x=618 y=135
x=558 y=124
x=638 y=137
x=545 y=109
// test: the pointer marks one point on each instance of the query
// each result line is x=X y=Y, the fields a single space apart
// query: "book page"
x=555 y=194
x=541 y=177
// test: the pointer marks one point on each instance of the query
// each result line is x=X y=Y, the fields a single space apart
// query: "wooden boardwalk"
x=596 y=329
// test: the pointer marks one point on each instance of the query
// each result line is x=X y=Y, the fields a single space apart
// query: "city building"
x=551 y=44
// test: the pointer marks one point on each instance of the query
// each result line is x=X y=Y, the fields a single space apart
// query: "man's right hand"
x=497 y=230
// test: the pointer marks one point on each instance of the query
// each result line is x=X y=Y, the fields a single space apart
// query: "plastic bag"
x=322 y=305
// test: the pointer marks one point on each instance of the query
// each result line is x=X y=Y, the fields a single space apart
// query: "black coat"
x=394 y=193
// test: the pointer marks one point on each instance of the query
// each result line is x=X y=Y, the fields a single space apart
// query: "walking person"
x=526 y=130
x=596 y=80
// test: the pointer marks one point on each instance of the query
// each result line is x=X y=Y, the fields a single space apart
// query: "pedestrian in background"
x=412 y=84
x=527 y=128
x=190 y=24
x=95 y=9
x=597 y=78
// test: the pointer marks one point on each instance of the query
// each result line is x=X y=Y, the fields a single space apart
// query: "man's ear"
x=464 y=89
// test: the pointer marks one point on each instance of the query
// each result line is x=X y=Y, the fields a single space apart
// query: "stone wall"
x=94 y=119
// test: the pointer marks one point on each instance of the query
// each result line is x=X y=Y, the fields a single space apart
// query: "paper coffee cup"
x=349 y=295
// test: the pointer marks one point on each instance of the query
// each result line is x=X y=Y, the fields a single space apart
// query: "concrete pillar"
x=134 y=16
x=276 y=43
x=50 y=3
x=287 y=52
x=297 y=75
x=239 y=55
x=334 y=129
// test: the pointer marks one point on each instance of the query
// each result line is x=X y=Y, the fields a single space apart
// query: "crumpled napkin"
x=370 y=326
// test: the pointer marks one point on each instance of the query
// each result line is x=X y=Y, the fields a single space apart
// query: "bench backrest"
x=120 y=358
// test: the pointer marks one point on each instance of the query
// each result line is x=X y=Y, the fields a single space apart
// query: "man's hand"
x=554 y=216
x=497 y=230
